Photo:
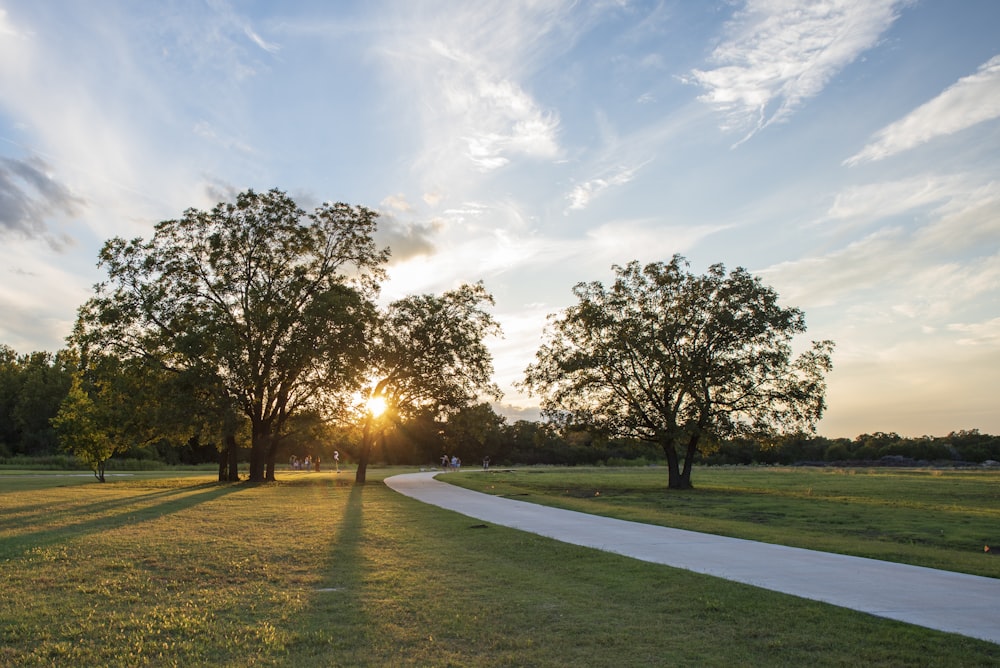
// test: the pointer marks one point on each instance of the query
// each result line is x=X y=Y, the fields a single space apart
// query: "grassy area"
x=935 y=518
x=313 y=571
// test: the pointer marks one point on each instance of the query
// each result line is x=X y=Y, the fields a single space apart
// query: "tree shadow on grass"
x=54 y=512
x=334 y=621
x=109 y=515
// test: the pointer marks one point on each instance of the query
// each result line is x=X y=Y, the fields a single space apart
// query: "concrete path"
x=942 y=600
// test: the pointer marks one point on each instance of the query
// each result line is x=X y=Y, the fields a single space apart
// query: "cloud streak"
x=971 y=100
x=580 y=196
x=29 y=197
x=463 y=70
x=932 y=245
x=781 y=53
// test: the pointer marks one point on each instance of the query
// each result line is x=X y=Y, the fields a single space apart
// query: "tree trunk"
x=366 y=449
x=271 y=461
x=259 y=442
x=224 y=464
x=673 y=465
x=692 y=450
x=233 y=458
x=229 y=458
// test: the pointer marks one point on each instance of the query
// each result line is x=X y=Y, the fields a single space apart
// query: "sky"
x=847 y=152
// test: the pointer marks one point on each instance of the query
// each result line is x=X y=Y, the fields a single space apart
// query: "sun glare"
x=376 y=406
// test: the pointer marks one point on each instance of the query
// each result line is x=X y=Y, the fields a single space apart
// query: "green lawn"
x=312 y=571
x=935 y=518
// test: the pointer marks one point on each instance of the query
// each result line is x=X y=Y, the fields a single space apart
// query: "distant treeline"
x=33 y=386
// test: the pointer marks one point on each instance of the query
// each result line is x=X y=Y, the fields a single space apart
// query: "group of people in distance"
x=309 y=463
x=452 y=464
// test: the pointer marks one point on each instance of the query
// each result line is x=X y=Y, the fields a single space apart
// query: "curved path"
x=942 y=600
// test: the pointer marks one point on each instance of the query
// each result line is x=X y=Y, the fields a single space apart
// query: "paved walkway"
x=942 y=600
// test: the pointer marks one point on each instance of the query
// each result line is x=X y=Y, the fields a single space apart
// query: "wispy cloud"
x=581 y=195
x=270 y=47
x=938 y=260
x=864 y=204
x=950 y=212
x=29 y=196
x=493 y=116
x=39 y=295
x=464 y=72
x=969 y=101
x=779 y=54
x=6 y=27
x=978 y=334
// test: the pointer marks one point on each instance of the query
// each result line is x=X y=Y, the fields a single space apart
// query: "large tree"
x=265 y=305
x=670 y=357
x=429 y=357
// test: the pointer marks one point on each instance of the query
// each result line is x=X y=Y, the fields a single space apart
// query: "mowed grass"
x=313 y=571
x=934 y=518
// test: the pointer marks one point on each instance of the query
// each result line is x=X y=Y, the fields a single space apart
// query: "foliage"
x=263 y=307
x=668 y=357
x=32 y=387
x=83 y=428
x=429 y=359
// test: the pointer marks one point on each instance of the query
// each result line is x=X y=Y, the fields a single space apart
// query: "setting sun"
x=376 y=406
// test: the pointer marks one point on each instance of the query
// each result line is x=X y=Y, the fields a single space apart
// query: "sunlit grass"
x=939 y=519
x=313 y=571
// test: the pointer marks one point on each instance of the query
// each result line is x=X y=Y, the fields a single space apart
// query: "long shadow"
x=19 y=545
x=24 y=515
x=336 y=606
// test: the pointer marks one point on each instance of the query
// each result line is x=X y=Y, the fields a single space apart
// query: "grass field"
x=313 y=571
x=935 y=518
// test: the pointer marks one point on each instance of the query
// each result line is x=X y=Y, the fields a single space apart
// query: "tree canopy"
x=265 y=305
x=667 y=356
x=429 y=356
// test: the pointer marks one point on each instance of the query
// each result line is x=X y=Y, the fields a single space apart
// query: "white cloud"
x=582 y=194
x=888 y=271
x=878 y=201
x=971 y=100
x=948 y=212
x=522 y=335
x=397 y=202
x=979 y=333
x=270 y=47
x=647 y=240
x=463 y=69
x=40 y=291
x=497 y=118
x=781 y=52
x=7 y=28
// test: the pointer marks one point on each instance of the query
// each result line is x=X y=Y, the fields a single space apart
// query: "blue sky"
x=846 y=151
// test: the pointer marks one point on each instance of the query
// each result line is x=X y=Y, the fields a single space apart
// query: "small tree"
x=78 y=425
x=670 y=357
